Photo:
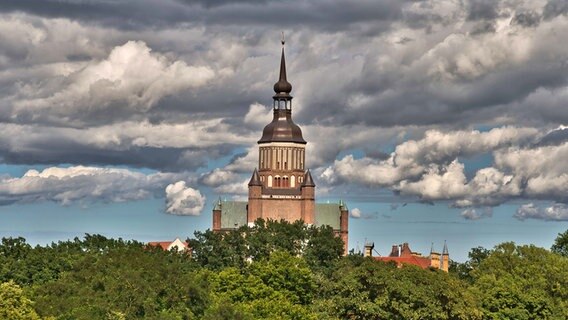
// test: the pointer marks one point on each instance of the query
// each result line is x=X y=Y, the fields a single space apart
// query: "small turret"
x=308 y=180
x=434 y=258
x=217 y=215
x=255 y=179
x=445 y=258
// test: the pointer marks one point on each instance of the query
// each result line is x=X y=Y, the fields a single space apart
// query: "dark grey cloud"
x=376 y=68
x=554 y=137
x=482 y=9
x=554 y=8
x=526 y=19
x=130 y=14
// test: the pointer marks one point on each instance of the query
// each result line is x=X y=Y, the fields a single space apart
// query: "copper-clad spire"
x=282 y=128
x=445 y=251
x=282 y=87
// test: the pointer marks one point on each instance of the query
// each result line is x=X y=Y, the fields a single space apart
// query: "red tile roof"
x=421 y=262
x=165 y=244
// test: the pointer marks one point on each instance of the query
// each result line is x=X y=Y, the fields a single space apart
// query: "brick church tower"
x=281 y=188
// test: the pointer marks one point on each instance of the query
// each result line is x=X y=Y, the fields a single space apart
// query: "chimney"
x=405 y=252
x=394 y=251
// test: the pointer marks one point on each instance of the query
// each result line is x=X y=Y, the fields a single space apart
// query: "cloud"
x=523 y=168
x=556 y=212
x=218 y=177
x=82 y=185
x=130 y=78
x=477 y=213
x=258 y=115
x=226 y=181
x=438 y=184
x=183 y=200
x=168 y=147
x=355 y=213
x=174 y=85
x=414 y=158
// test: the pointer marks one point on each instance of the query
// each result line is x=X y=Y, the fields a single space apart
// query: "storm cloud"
x=390 y=94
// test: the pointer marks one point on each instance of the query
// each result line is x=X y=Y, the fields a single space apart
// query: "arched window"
x=293 y=181
x=270 y=181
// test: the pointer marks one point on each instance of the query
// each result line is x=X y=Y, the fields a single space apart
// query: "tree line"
x=273 y=270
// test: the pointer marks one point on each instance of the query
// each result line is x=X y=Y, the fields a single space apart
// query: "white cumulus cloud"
x=556 y=212
x=131 y=76
x=80 y=184
x=183 y=200
x=355 y=213
x=477 y=213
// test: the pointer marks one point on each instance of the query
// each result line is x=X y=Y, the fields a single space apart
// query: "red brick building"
x=282 y=188
x=176 y=245
x=401 y=255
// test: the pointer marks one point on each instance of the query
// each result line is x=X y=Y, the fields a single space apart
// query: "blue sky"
x=434 y=120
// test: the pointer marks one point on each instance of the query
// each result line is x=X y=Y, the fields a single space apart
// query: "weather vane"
x=282 y=40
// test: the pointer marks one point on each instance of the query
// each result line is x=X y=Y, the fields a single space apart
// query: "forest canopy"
x=274 y=270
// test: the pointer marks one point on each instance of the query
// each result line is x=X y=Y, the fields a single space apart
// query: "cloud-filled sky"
x=456 y=107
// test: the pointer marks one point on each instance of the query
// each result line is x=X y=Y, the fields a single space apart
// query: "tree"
x=463 y=270
x=362 y=288
x=323 y=249
x=125 y=281
x=286 y=274
x=236 y=248
x=14 y=305
x=250 y=297
x=522 y=282
x=560 y=245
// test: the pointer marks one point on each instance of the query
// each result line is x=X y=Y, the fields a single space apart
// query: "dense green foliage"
x=275 y=270
x=560 y=245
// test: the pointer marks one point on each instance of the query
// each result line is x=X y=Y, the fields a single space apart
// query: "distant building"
x=176 y=245
x=282 y=188
x=401 y=254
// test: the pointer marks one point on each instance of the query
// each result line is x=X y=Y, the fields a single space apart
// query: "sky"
x=435 y=120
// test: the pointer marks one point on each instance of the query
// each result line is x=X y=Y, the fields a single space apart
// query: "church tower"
x=282 y=147
x=281 y=188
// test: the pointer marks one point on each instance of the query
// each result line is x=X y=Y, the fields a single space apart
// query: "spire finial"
x=282 y=87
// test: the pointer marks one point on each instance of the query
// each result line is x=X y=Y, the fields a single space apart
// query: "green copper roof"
x=328 y=214
x=233 y=214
